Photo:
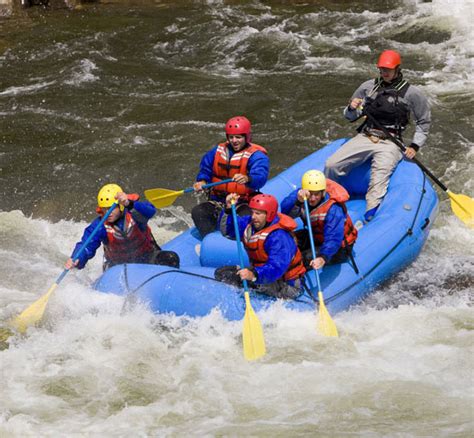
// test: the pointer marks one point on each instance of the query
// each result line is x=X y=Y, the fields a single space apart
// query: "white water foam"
x=26 y=89
x=303 y=36
x=94 y=370
x=83 y=72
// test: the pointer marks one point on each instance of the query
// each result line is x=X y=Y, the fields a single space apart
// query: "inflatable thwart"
x=386 y=245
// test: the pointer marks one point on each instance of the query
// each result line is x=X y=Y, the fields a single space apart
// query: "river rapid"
x=135 y=93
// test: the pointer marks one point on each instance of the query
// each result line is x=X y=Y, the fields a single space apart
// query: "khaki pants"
x=385 y=156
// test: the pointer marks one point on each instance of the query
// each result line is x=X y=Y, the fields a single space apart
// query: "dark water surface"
x=136 y=93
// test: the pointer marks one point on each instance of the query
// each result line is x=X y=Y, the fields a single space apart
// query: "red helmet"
x=239 y=125
x=266 y=203
x=389 y=59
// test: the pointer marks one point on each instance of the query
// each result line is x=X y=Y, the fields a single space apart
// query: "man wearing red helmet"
x=276 y=263
x=390 y=100
x=246 y=163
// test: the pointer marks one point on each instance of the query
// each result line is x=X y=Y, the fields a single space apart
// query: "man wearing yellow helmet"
x=126 y=236
x=333 y=232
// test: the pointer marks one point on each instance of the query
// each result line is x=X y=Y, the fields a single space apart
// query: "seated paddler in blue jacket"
x=246 y=163
x=276 y=263
x=333 y=232
x=126 y=235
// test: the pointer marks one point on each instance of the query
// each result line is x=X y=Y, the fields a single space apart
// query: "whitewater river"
x=135 y=93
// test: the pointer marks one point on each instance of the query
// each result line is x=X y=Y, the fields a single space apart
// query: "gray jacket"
x=414 y=98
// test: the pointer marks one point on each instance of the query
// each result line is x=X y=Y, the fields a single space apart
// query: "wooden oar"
x=33 y=313
x=252 y=333
x=462 y=205
x=161 y=198
x=326 y=325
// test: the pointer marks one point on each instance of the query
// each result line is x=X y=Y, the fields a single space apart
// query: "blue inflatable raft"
x=390 y=242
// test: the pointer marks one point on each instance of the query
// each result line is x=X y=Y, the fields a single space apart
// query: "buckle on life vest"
x=375 y=135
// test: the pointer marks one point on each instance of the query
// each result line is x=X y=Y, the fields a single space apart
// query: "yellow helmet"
x=106 y=195
x=314 y=181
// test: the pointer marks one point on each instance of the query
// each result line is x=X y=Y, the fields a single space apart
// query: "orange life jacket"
x=255 y=246
x=131 y=245
x=337 y=195
x=225 y=167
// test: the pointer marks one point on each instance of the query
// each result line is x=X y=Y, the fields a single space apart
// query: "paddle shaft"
x=208 y=186
x=403 y=148
x=253 y=340
x=83 y=247
x=462 y=205
x=326 y=325
x=33 y=313
x=311 y=240
x=239 y=245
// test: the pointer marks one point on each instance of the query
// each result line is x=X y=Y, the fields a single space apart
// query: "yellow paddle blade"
x=32 y=314
x=253 y=340
x=463 y=208
x=161 y=198
x=326 y=325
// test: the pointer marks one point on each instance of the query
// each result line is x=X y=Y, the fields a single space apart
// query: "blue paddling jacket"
x=258 y=168
x=279 y=245
x=141 y=212
x=333 y=224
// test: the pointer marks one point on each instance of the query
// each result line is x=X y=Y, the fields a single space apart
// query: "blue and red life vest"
x=131 y=245
x=225 y=167
x=337 y=195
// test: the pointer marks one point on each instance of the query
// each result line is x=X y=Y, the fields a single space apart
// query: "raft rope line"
x=408 y=233
x=129 y=299
x=127 y=285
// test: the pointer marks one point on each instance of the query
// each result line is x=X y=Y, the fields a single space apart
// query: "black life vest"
x=386 y=107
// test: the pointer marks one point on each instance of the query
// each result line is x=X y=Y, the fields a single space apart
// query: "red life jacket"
x=225 y=167
x=130 y=246
x=255 y=246
x=337 y=195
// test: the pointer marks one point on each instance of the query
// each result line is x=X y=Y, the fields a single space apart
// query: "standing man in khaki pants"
x=390 y=100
